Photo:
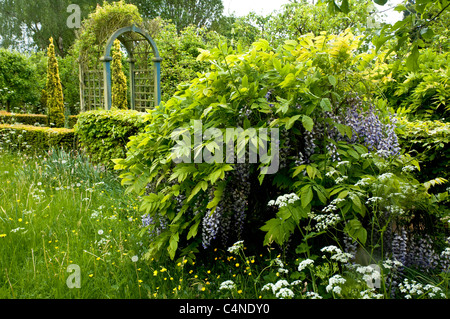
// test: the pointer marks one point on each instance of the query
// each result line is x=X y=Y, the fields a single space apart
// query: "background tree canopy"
x=31 y=23
x=199 y=13
x=180 y=28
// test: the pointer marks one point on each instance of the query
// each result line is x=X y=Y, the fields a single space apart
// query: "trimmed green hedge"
x=25 y=119
x=105 y=134
x=31 y=119
x=30 y=138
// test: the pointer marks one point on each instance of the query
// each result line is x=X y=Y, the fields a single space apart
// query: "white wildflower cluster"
x=342 y=163
x=281 y=288
x=336 y=201
x=337 y=254
x=305 y=263
x=340 y=179
x=330 y=249
x=331 y=173
x=392 y=264
x=414 y=288
x=408 y=190
x=370 y=274
x=96 y=214
x=395 y=210
x=342 y=257
x=283 y=200
x=370 y=294
x=325 y=221
x=275 y=287
x=445 y=253
x=374 y=200
x=313 y=295
x=15 y=230
x=408 y=168
x=333 y=205
x=381 y=165
x=330 y=208
x=285 y=293
x=228 y=285
x=333 y=284
x=363 y=182
x=236 y=247
x=385 y=177
x=103 y=242
x=280 y=265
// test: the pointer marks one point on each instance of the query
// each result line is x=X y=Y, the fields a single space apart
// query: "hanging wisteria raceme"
x=211 y=223
x=445 y=258
x=399 y=246
x=350 y=246
x=285 y=148
x=227 y=221
x=308 y=148
x=415 y=250
x=367 y=129
x=241 y=186
x=157 y=224
x=367 y=126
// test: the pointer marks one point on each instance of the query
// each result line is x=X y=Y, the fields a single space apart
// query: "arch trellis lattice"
x=144 y=73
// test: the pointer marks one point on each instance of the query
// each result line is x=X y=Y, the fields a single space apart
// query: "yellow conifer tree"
x=55 y=100
x=119 y=80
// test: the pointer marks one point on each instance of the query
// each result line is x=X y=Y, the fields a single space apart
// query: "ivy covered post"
x=119 y=80
x=55 y=101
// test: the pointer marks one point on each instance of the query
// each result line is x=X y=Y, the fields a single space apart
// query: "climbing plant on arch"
x=117 y=21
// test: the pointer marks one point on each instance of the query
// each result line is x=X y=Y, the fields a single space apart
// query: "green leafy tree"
x=22 y=21
x=407 y=36
x=179 y=52
x=55 y=102
x=200 y=13
x=17 y=80
x=119 y=80
x=306 y=18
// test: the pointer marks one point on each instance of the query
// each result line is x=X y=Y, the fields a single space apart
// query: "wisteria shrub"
x=339 y=155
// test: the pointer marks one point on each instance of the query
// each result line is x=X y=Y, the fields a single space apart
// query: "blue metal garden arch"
x=106 y=59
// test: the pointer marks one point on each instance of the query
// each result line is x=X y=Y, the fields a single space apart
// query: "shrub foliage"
x=315 y=91
x=35 y=139
x=105 y=134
